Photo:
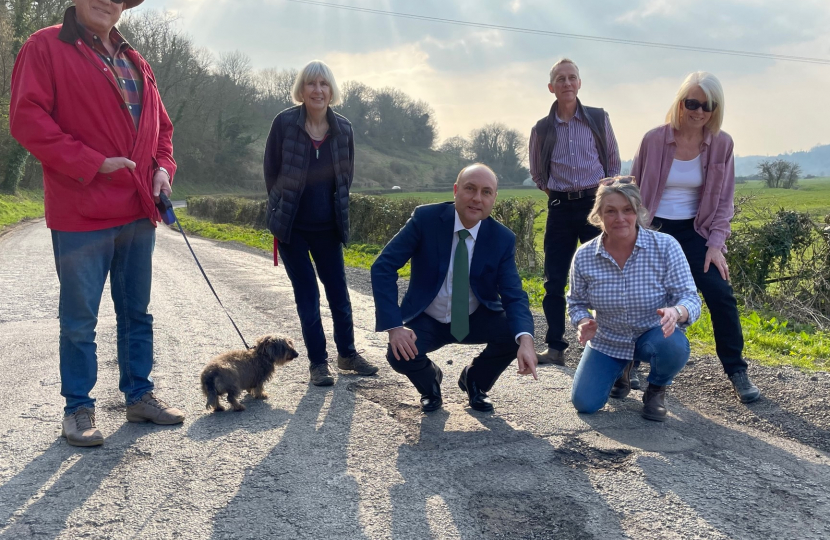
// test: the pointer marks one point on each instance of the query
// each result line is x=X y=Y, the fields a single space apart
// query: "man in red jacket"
x=86 y=104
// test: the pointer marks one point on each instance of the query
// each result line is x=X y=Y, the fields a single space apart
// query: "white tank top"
x=681 y=196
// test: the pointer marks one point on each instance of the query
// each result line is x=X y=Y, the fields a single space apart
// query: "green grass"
x=25 y=205
x=356 y=255
x=768 y=341
x=812 y=196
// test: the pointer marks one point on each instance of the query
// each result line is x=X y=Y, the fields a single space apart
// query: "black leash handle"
x=165 y=207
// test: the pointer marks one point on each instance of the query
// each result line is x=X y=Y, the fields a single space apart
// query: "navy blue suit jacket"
x=426 y=240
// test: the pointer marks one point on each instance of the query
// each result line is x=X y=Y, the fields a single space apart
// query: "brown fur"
x=234 y=371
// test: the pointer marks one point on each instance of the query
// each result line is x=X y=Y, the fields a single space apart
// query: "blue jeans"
x=597 y=371
x=326 y=248
x=83 y=261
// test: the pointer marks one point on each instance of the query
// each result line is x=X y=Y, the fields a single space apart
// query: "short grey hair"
x=559 y=63
x=312 y=70
x=714 y=94
x=629 y=190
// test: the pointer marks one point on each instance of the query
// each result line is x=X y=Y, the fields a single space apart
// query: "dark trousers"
x=486 y=326
x=327 y=251
x=716 y=291
x=567 y=224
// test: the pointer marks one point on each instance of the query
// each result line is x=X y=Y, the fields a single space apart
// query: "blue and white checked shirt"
x=574 y=163
x=626 y=301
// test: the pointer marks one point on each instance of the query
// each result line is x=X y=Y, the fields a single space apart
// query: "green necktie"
x=460 y=311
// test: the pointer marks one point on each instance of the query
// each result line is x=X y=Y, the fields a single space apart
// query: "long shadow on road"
x=739 y=485
x=499 y=482
x=37 y=501
x=301 y=489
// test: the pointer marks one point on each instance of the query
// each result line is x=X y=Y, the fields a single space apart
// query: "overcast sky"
x=473 y=76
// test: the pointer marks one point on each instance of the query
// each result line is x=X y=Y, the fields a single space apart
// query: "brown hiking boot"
x=79 y=428
x=321 y=374
x=654 y=403
x=551 y=356
x=622 y=386
x=356 y=363
x=151 y=409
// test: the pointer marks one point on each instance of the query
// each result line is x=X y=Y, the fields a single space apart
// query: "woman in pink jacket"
x=686 y=174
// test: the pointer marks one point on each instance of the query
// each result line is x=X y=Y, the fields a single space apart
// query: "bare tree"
x=778 y=173
x=501 y=148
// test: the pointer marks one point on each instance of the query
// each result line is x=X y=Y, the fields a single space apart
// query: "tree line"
x=222 y=108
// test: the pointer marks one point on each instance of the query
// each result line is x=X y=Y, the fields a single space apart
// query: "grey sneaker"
x=321 y=374
x=551 y=356
x=747 y=392
x=79 y=428
x=151 y=409
x=356 y=363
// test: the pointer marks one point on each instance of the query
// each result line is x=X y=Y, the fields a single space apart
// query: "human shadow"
x=301 y=489
x=37 y=501
x=789 y=424
x=743 y=486
x=499 y=482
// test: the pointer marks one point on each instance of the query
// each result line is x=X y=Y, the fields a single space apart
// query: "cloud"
x=473 y=76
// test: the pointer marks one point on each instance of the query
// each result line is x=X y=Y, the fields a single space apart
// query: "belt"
x=572 y=195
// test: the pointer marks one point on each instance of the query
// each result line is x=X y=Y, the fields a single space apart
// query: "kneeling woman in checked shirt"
x=640 y=287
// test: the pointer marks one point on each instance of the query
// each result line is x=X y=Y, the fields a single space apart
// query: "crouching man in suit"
x=464 y=288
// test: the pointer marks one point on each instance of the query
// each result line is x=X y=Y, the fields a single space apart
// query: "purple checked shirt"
x=575 y=161
x=626 y=300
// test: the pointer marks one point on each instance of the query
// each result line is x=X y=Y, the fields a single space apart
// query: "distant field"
x=812 y=196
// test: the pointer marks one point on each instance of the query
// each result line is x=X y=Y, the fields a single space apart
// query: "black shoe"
x=654 y=403
x=478 y=398
x=747 y=392
x=634 y=379
x=432 y=401
x=622 y=386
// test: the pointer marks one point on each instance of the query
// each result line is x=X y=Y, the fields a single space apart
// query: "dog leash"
x=165 y=208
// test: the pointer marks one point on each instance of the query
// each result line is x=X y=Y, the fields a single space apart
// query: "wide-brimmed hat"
x=131 y=3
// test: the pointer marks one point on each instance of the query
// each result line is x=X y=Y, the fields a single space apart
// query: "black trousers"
x=567 y=224
x=486 y=326
x=326 y=249
x=716 y=291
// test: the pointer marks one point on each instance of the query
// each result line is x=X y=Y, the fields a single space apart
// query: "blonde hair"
x=311 y=71
x=630 y=191
x=714 y=94
x=559 y=63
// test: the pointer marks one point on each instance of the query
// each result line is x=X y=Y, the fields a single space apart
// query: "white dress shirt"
x=441 y=306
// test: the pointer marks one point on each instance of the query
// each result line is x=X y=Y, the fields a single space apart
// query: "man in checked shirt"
x=571 y=150
x=86 y=104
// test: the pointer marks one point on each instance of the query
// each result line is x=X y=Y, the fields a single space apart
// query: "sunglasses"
x=693 y=105
x=616 y=179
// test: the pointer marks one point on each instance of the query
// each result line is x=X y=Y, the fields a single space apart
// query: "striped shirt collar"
x=578 y=115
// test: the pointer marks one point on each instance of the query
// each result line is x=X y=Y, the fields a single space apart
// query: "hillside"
x=408 y=168
x=816 y=161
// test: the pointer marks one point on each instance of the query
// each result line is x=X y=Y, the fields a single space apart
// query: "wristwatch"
x=679 y=312
x=165 y=171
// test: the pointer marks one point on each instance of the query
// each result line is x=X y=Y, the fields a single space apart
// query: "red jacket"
x=68 y=112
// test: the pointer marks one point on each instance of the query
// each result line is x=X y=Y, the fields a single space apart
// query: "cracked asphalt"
x=359 y=460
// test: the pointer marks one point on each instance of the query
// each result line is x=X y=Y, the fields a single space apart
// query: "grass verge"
x=24 y=205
